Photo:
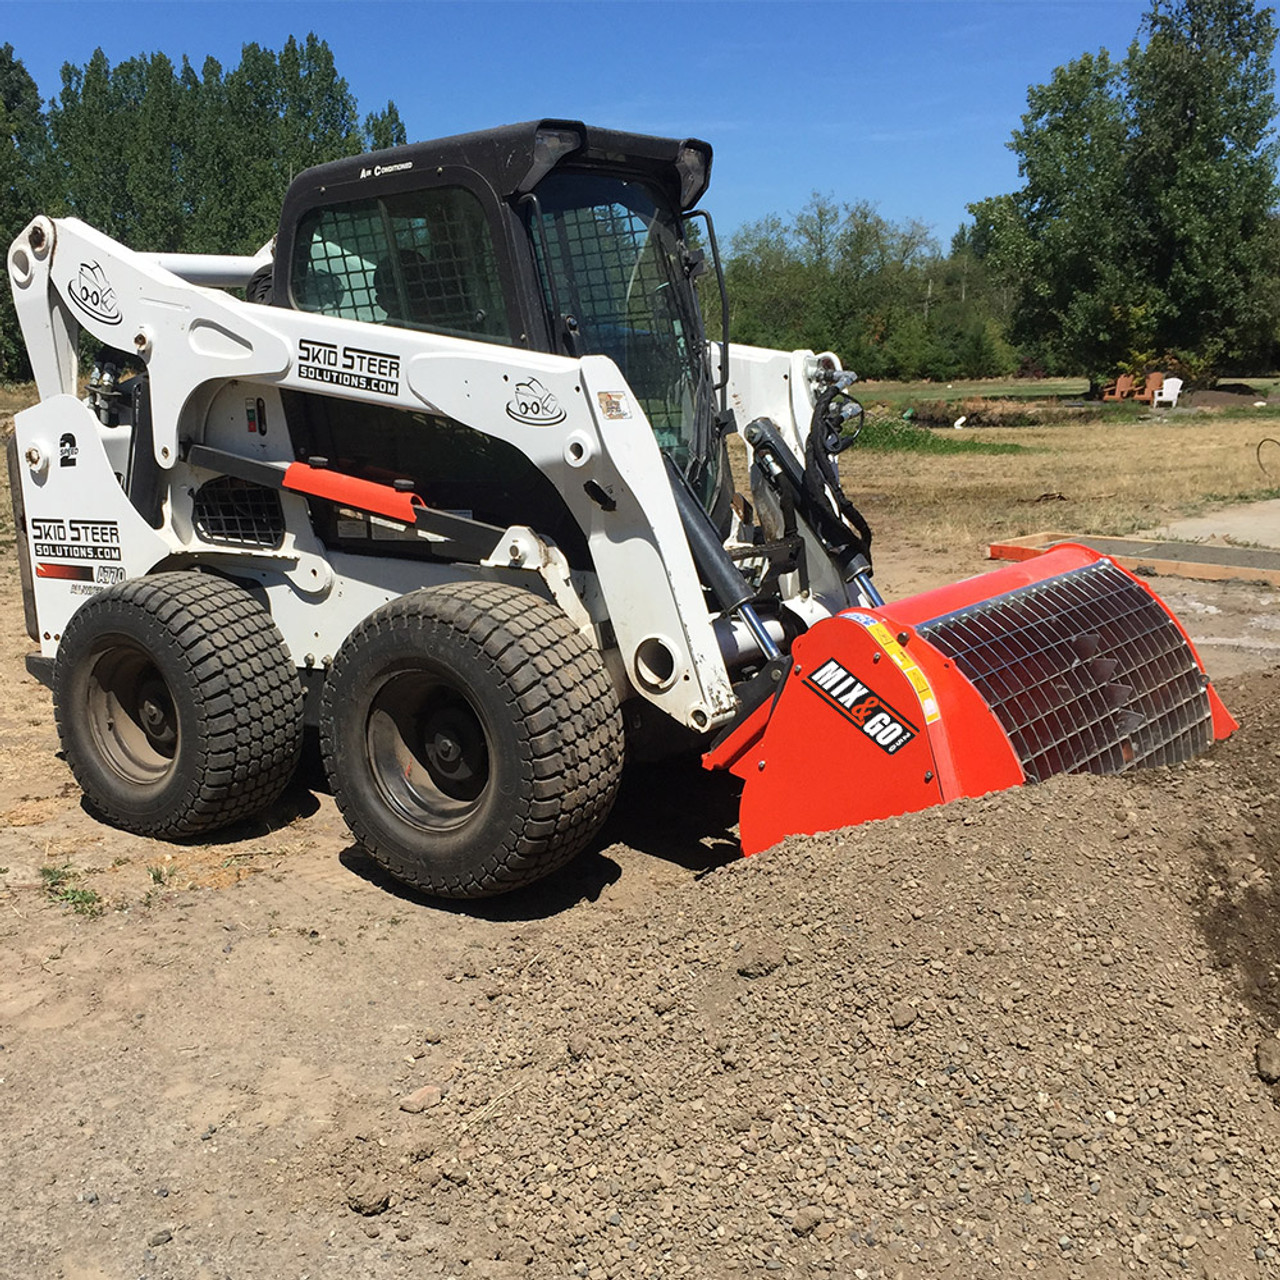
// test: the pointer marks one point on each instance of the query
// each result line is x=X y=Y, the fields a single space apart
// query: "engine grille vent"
x=1086 y=672
x=234 y=513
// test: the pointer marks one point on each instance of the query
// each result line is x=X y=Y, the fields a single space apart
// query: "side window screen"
x=422 y=260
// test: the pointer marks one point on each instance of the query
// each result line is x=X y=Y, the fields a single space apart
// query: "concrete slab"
x=1254 y=524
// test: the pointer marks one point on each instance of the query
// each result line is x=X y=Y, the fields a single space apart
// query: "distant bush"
x=894 y=435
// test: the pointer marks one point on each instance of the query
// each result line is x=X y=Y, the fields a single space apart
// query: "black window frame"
x=506 y=246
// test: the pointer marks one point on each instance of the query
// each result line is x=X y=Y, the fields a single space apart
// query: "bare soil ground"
x=1011 y=1035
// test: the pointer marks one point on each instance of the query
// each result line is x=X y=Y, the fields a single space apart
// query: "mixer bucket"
x=1063 y=664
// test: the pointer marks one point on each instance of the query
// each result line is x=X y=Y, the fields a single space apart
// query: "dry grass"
x=1111 y=479
x=15 y=396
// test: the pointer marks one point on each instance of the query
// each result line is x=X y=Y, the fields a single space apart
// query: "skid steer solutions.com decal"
x=85 y=553
x=861 y=705
x=353 y=367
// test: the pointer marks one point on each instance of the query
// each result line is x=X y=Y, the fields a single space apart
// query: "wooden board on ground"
x=1147 y=555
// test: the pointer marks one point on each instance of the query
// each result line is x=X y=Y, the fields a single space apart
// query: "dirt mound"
x=1007 y=1035
x=1225 y=395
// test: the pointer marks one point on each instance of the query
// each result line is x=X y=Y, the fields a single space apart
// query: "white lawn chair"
x=1167 y=396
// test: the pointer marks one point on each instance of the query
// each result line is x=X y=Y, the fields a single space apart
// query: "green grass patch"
x=893 y=435
x=57 y=883
x=55 y=877
x=1266 y=416
x=902 y=394
x=84 y=902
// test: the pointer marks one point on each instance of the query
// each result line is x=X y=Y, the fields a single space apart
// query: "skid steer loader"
x=450 y=482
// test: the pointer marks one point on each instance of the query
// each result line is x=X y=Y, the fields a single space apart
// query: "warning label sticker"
x=902 y=660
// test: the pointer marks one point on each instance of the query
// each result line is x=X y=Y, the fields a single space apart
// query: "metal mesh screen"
x=338 y=252
x=235 y=513
x=423 y=260
x=1086 y=673
x=614 y=275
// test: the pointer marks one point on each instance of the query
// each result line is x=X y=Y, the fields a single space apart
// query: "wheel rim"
x=131 y=715
x=428 y=750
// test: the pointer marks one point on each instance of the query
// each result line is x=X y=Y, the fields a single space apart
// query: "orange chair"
x=1120 y=389
x=1150 y=388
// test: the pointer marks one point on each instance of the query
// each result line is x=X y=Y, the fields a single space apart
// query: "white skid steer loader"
x=452 y=483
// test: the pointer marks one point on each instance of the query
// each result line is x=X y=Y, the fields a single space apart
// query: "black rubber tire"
x=472 y=738
x=178 y=706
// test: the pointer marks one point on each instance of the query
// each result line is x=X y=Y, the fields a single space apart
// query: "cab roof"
x=512 y=159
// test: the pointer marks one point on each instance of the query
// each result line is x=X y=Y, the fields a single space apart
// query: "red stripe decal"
x=350 y=491
x=74 y=572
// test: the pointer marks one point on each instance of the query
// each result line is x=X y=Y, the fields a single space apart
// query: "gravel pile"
x=1016 y=1034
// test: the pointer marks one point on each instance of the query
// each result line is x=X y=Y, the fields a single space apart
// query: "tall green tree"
x=318 y=120
x=168 y=158
x=24 y=155
x=1144 y=224
x=1066 y=239
x=86 y=122
x=1202 y=160
x=384 y=129
x=839 y=276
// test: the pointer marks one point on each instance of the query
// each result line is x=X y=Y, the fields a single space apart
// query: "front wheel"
x=178 y=706
x=472 y=738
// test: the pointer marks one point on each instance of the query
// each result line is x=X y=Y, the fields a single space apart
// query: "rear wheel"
x=472 y=738
x=178 y=707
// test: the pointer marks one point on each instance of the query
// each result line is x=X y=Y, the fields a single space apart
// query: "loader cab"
x=550 y=236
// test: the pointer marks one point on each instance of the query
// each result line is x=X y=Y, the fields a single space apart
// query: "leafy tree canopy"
x=171 y=158
x=1145 y=224
x=841 y=277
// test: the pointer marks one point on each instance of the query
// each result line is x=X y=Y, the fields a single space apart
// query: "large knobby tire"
x=177 y=703
x=472 y=738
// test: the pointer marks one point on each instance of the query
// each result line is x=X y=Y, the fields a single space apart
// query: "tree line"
x=1144 y=234
x=170 y=159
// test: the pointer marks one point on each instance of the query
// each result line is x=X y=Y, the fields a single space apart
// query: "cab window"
x=420 y=260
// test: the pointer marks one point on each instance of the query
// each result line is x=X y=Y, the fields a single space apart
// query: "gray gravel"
x=1021 y=1035
x=994 y=1038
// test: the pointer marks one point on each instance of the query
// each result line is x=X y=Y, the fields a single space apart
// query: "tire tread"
x=555 y=682
x=242 y=678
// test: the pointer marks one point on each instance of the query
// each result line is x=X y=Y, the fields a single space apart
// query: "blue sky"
x=904 y=103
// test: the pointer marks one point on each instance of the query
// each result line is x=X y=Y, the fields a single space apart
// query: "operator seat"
x=402 y=285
